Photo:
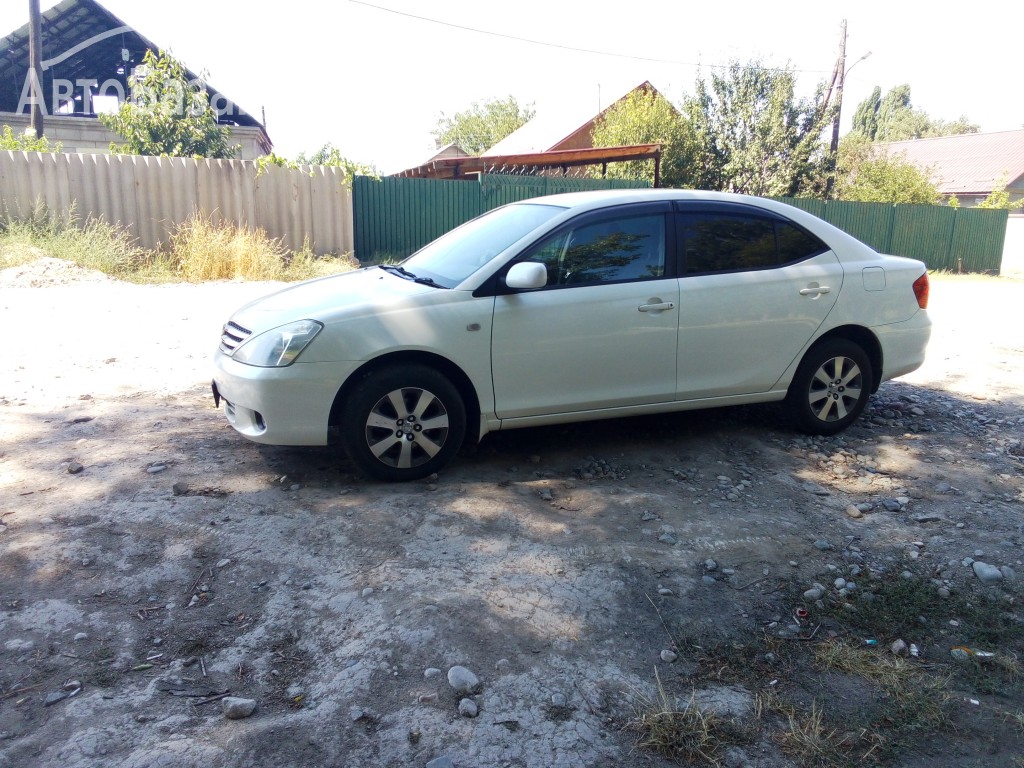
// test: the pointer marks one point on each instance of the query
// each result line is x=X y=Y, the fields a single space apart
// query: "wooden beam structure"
x=461 y=167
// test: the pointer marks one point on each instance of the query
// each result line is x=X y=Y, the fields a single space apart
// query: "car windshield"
x=456 y=255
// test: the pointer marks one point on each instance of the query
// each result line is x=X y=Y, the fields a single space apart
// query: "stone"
x=468 y=708
x=814 y=594
x=853 y=512
x=667 y=538
x=710 y=564
x=708 y=580
x=156 y=469
x=987 y=574
x=668 y=656
x=558 y=699
x=899 y=648
x=1008 y=573
x=75 y=468
x=441 y=762
x=462 y=680
x=823 y=545
x=180 y=489
x=431 y=672
x=236 y=708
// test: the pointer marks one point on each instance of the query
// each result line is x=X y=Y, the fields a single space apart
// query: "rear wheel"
x=403 y=423
x=830 y=388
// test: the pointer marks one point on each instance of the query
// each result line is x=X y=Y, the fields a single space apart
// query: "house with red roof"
x=970 y=165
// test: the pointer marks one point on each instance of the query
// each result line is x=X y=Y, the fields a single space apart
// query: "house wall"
x=89 y=135
x=150 y=196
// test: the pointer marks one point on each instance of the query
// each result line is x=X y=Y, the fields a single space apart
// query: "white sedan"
x=573 y=307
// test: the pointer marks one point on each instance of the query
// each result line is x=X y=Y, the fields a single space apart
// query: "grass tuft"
x=689 y=734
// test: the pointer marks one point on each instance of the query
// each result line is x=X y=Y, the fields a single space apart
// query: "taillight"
x=921 y=291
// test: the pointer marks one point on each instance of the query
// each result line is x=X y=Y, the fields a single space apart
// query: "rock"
x=839 y=583
x=81 y=636
x=814 y=594
x=468 y=708
x=427 y=698
x=891 y=505
x=431 y=672
x=899 y=648
x=665 y=592
x=180 y=489
x=667 y=538
x=710 y=564
x=1008 y=573
x=823 y=545
x=75 y=468
x=558 y=700
x=462 y=680
x=987 y=574
x=441 y=762
x=943 y=592
x=668 y=656
x=926 y=518
x=236 y=708
x=367 y=592
x=53 y=698
x=853 y=512
x=156 y=469
x=708 y=580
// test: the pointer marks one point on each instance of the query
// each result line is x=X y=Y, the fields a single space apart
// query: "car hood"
x=328 y=297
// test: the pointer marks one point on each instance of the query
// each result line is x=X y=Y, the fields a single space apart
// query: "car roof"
x=580 y=202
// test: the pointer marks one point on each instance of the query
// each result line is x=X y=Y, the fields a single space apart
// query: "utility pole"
x=35 y=63
x=838 y=81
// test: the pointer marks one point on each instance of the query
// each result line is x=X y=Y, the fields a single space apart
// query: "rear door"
x=754 y=288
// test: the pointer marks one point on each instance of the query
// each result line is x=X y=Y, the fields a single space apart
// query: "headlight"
x=279 y=347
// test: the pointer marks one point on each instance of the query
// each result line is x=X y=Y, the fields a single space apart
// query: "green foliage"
x=483 y=124
x=646 y=117
x=894 y=118
x=866 y=174
x=760 y=139
x=168 y=115
x=27 y=142
x=330 y=156
x=999 y=198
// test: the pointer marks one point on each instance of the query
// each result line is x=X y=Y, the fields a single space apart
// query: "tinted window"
x=728 y=242
x=630 y=248
x=795 y=244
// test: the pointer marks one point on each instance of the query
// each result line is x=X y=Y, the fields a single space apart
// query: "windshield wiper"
x=397 y=270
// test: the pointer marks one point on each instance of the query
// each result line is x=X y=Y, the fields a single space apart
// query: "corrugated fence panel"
x=924 y=232
x=150 y=196
x=871 y=223
x=978 y=240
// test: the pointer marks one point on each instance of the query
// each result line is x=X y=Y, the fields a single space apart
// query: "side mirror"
x=527 y=275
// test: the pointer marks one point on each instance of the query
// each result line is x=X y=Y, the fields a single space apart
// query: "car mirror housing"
x=527 y=275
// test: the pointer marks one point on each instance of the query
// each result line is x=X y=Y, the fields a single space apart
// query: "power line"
x=560 y=46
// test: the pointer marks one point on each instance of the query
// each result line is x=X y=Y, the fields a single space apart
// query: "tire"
x=831 y=387
x=403 y=423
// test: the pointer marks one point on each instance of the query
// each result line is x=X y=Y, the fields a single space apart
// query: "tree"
x=867 y=174
x=168 y=115
x=761 y=139
x=647 y=117
x=331 y=156
x=482 y=125
x=27 y=142
x=894 y=118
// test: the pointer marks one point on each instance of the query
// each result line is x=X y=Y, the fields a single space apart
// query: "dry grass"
x=689 y=734
x=200 y=250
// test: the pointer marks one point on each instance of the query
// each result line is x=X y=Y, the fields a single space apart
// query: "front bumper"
x=279 y=406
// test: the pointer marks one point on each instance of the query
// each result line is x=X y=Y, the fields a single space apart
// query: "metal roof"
x=83 y=40
x=971 y=163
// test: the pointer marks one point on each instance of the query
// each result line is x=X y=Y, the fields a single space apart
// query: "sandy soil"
x=151 y=560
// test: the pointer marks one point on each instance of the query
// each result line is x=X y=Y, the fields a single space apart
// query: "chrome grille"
x=231 y=336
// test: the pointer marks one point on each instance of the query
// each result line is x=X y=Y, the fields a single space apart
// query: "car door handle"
x=659 y=307
x=815 y=291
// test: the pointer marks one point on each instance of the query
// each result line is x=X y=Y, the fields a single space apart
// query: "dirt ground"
x=152 y=560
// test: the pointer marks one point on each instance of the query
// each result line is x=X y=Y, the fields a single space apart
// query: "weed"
x=810 y=740
x=689 y=734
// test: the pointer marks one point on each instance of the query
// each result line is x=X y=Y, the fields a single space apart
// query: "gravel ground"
x=159 y=574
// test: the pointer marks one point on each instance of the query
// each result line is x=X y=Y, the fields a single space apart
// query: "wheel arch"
x=863 y=338
x=443 y=365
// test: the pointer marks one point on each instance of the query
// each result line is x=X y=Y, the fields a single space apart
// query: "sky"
x=373 y=77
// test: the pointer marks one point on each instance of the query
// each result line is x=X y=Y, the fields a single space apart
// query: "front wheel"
x=830 y=388
x=403 y=423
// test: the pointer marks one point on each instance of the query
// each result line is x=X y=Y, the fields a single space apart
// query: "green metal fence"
x=955 y=239
x=392 y=217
